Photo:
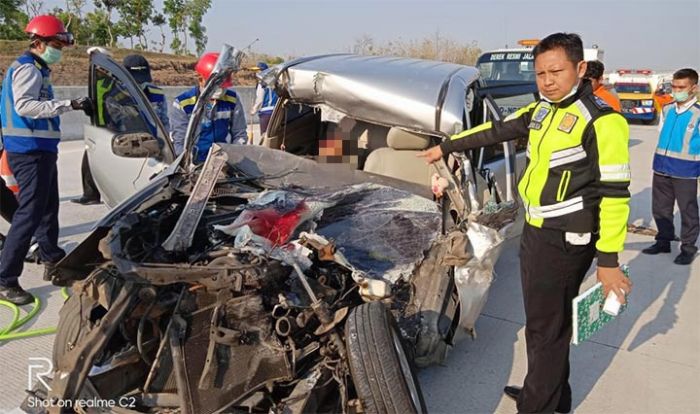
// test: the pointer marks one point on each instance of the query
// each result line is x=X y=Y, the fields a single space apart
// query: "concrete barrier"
x=72 y=122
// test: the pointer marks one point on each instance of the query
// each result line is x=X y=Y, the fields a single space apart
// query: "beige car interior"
x=399 y=159
x=392 y=151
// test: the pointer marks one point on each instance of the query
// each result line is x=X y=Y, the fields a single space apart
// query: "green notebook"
x=588 y=315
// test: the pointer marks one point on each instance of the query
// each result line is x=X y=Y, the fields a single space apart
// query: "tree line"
x=112 y=21
x=435 y=47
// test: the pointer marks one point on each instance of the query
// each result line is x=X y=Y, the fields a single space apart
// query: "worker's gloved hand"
x=84 y=104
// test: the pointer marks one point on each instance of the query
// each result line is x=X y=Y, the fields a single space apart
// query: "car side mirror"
x=136 y=145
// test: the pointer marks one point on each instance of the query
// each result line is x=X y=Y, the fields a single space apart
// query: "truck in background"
x=642 y=93
x=501 y=69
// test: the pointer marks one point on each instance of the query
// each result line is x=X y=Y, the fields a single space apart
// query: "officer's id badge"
x=540 y=115
x=567 y=123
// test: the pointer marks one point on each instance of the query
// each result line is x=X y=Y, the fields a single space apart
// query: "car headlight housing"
x=647 y=102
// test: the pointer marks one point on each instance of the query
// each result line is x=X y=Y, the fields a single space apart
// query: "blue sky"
x=656 y=34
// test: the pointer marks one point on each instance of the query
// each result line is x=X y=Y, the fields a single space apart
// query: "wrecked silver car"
x=286 y=280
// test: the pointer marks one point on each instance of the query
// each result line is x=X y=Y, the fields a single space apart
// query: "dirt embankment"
x=72 y=70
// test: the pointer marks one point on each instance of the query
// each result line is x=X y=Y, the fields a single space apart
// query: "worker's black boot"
x=16 y=295
x=658 y=247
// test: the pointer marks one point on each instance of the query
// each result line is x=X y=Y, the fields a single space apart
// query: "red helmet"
x=49 y=27
x=205 y=65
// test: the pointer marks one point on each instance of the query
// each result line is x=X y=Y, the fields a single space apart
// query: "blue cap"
x=139 y=68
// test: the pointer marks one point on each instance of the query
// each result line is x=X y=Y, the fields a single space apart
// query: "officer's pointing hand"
x=613 y=279
x=431 y=155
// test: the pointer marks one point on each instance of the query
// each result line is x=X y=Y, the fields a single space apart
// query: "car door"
x=121 y=113
x=496 y=103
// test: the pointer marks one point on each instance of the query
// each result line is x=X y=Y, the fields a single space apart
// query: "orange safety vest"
x=608 y=97
x=6 y=174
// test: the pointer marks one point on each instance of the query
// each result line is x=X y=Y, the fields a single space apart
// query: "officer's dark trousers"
x=37 y=214
x=89 y=187
x=665 y=192
x=552 y=271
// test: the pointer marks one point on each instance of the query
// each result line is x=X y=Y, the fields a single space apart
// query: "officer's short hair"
x=594 y=69
x=687 y=73
x=570 y=42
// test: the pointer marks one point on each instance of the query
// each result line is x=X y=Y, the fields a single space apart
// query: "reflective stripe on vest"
x=555 y=210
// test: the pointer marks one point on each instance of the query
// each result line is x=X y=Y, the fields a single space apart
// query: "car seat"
x=399 y=159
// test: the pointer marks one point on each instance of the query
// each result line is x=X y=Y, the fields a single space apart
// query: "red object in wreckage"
x=273 y=225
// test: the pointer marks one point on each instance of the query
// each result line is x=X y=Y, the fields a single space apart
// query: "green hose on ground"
x=9 y=332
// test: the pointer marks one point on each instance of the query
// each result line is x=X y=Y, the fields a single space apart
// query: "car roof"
x=421 y=95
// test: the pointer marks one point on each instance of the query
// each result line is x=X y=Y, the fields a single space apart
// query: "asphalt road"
x=648 y=361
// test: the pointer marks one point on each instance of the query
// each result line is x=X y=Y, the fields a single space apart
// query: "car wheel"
x=381 y=371
x=69 y=330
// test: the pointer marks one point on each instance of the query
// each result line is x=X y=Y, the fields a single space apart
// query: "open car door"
x=494 y=163
x=126 y=142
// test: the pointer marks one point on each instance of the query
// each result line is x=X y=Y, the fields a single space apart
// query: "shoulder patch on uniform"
x=600 y=102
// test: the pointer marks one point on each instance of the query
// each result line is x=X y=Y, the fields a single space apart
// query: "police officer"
x=677 y=169
x=223 y=120
x=265 y=100
x=140 y=69
x=575 y=192
x=31 y=133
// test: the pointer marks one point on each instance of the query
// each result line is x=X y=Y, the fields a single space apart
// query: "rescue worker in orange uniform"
x=594 y=72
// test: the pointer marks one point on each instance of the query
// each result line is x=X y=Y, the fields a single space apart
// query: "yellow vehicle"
x=642 y=94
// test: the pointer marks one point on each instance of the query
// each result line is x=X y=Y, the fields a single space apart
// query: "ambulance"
x=642 y=93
